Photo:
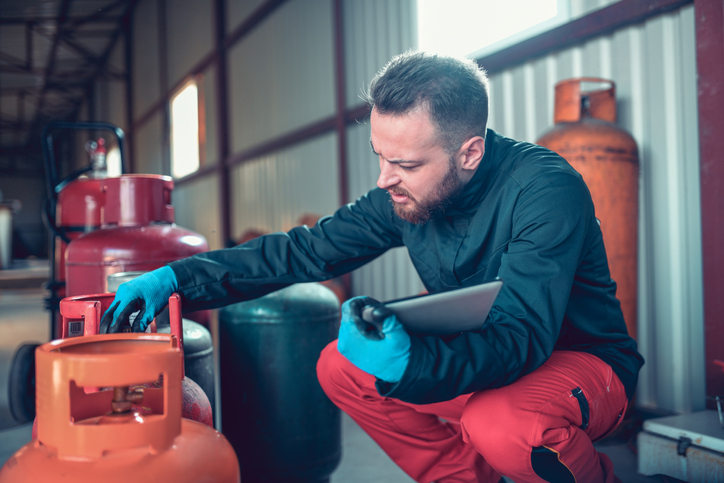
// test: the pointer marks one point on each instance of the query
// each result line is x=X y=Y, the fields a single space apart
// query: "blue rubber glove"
x=147 y=293
x=385 y=356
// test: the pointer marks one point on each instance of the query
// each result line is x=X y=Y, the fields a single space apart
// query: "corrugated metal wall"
x=278 y=83
x=375 y=31
x=197 y=209
x=653 y=65
x=272 y=192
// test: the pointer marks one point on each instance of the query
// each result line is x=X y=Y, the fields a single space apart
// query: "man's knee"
x=327 y=364
x=495 y=425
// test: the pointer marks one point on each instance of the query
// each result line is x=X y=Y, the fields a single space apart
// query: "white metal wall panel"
x=239 y=10
x=148 y=157
x=281 y=75
x=189 y=36
x=374 y=31
x=272 y=192
x=145 y=72
x=653 y=65
x=197 y=208
x=392 y=275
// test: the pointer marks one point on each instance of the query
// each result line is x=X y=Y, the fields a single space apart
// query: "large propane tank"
x=607 y=158
x=81 y=316
x=274 y=412
x=198 y=346
x=78 y=211
x=86 y=437
x=137 y=234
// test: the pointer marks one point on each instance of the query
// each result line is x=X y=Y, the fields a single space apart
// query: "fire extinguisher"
x=72 y=207
x=606 y=156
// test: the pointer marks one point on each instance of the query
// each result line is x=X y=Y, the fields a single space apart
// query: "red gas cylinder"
x=86 y=436
x=607 y=158
x=137 y=233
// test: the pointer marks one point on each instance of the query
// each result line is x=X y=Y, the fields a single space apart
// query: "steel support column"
x=710 y=72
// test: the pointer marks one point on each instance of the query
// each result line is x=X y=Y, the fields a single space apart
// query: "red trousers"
x=539 y=428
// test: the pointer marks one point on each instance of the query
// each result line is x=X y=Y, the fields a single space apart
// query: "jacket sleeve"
x=551 y=230
x=352 y=236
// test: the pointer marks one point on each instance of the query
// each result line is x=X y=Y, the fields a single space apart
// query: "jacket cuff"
x=400 y=389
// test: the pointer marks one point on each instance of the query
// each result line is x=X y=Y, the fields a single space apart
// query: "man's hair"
x=453 y=90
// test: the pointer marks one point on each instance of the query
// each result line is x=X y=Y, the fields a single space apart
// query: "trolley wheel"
x=21 y=384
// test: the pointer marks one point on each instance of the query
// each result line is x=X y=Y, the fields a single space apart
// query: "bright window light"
x=185 y=131
x=113 y=162
x=474 y=28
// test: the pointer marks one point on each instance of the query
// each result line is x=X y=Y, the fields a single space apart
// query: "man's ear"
x=471 y=153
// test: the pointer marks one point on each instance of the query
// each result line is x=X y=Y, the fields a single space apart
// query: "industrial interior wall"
x=196 y=207
x=278 y=83
x=654 y=66
x=273 y=192
x=108 y=103
x=146 y=68
x=207 y=107
x=189 y=37
x=147 y=147
x=374 y=31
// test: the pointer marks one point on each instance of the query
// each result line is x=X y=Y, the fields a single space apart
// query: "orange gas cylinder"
x=81 y=316
x=607 y=158
x=87 y=436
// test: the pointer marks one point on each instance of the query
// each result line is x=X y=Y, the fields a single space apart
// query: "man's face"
x=420 y=176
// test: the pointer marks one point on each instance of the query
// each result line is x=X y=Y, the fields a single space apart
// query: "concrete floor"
x=23 y=319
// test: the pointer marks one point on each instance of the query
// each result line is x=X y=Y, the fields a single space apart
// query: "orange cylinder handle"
x=87 y=310
x=569 y=100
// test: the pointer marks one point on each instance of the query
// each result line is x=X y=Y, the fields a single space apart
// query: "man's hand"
x=384 y=357
x=147 y=293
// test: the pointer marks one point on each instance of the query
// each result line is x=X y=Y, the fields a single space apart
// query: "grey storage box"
x=689 y=447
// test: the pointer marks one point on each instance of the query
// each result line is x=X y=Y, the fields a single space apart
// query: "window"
x=474 y=28
x=185 y=137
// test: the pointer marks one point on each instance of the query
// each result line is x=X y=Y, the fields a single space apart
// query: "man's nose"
x=388 y=176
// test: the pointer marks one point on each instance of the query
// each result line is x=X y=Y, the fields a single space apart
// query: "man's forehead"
x=413 y=128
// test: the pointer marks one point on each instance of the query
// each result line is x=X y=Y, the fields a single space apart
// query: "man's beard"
x=434 y=204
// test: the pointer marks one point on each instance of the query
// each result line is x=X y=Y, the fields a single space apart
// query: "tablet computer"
x=459 y=310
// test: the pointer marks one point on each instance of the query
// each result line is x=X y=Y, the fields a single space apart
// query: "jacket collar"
x=478 y=186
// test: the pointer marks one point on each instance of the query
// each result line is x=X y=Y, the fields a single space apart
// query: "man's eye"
x=407 y=168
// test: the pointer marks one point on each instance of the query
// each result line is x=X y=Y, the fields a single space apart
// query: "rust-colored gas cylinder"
x=137 y=233
x=97 y=436
x=607 y=158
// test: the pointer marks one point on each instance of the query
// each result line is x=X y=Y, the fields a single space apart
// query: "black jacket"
x=526 y=217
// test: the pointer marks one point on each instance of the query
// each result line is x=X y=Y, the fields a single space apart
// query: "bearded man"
x=550 y=369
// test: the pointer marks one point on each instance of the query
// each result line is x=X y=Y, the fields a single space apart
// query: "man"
x=552 y=367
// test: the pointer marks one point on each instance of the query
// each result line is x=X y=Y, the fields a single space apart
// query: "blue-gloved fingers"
x=123 y=315
x=143 y=318
x=108 y=318
x=354 y=312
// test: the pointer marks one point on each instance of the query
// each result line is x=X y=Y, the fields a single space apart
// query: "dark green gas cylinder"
x=274 y=412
